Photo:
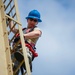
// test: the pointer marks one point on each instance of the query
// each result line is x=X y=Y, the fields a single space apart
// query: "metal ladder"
x=6 y=62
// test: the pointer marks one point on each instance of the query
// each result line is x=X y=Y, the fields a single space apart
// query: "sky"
x=56 y=46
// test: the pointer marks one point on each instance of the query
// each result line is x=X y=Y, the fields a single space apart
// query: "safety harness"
x=31 y=46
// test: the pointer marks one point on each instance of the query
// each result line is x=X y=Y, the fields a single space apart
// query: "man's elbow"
x=38 y=34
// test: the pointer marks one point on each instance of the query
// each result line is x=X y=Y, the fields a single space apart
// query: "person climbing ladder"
x=31 y=35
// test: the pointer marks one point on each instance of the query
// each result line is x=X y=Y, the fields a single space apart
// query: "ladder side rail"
x=6 y=41
x=22 y=40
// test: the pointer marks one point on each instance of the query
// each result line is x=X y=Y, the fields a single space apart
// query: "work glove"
x=8 y=19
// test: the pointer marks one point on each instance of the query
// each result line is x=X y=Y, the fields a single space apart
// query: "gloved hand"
x=8 y=19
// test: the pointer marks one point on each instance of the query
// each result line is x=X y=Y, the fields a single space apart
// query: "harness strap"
x=32 y=50
x=31 y=46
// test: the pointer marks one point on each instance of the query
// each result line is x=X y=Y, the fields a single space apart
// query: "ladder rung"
x=13 y=37
x=12 y=51
x=16 y=45
x=12 y=28
x=12 y=19
x=14 y=15
x=18 y=67
x=4 y=1
x=13 y=60
x=8 y=4
x=11 y=9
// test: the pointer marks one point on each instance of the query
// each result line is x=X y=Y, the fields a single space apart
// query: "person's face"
x=32 y=22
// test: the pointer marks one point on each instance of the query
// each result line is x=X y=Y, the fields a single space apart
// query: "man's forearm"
x=14 y=30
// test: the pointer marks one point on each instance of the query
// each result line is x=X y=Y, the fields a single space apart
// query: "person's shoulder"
x=37 y=28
